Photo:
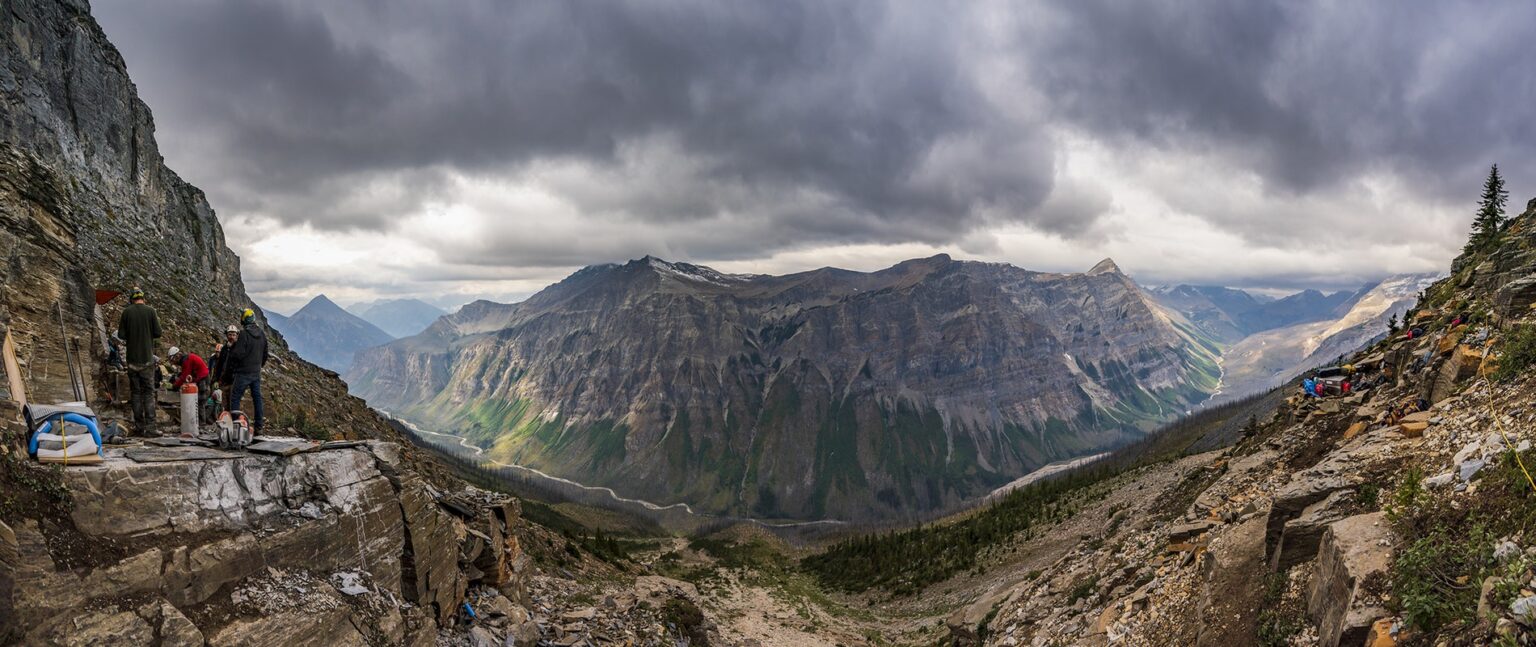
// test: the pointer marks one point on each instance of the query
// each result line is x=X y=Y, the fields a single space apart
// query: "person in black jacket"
x=222 y=380
x=139 y=327
x=244 y=363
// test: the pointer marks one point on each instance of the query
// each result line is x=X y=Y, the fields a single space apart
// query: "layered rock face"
x=87 y=204
x=345 y=546
x=339 y=547
x=827 y=393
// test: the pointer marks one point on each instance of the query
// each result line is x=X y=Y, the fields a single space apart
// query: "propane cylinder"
x=189 y=409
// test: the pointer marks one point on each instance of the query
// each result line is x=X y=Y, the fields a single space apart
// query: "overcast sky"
x=459 y=149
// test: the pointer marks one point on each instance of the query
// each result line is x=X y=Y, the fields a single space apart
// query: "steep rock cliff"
x=234 y=548
x=88 y=204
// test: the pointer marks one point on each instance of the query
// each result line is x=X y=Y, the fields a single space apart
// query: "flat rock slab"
x=170 y=454
x=178 y=442
x=283 y=447
x=1187 y=531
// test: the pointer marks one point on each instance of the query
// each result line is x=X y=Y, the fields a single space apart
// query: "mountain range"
x=324 y=333
x=398 y=317
x=1231 y=315
x=824 y=393
x=1268 y=358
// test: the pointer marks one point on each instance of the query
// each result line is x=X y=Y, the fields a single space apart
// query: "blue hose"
x=84 y=421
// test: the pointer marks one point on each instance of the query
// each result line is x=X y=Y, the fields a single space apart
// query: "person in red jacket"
x=193 y=369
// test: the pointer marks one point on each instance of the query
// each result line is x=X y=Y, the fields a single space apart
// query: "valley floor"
x=750 y=590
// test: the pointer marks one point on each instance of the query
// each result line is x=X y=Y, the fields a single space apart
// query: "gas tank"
x=189 y=409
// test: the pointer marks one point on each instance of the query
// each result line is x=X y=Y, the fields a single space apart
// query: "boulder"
x=175 y=629
x=39 y=589
x=1300 y=537
x=1229 y=604
x=420 y=629
x=137 y=574
x=1305 y=489
x=192 y=575
x=1485 y=598
x=1381 y=634
x=1355 y=429
x=218 y=522
x=1352 y=550
x=1462 y=365
x=1413 y=429
x=482 y=637
x=1439 y=481
x=500 y=556
x=1186 y=532
x=523 y=635
x=430 y=574
x=1524 y=610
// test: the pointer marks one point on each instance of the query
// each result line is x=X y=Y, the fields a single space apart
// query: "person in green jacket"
x=139 y=327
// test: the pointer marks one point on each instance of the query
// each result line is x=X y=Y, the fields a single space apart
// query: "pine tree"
x=1489 y=221
x=1392 y=325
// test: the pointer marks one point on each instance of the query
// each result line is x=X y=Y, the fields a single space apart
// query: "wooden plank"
x=91 y=458
x=13 y=372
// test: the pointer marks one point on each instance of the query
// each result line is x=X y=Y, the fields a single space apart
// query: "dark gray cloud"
x=736 y=131
x=1310 y=95
x=869 y=106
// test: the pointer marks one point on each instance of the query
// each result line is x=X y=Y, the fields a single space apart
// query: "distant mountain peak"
x=1106 y=266
x=326 y=334
x=320 y=304
x=687 y=271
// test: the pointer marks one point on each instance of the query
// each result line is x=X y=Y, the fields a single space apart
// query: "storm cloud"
x=506 y=142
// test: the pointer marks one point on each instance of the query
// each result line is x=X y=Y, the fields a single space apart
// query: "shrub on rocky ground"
x=1518 y=354
x=1436 y=577
x=687 y=618
x=28 y=488
x=1450 y=544
x=1278 y=621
